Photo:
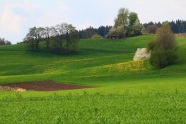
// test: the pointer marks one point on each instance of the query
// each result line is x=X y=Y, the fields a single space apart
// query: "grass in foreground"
x=96 y=108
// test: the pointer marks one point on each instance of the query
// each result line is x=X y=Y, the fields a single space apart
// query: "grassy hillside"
x=92 y=55
x=127 y=91
x=105 y=60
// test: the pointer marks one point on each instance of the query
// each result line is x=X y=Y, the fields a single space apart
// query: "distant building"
x=114 y=37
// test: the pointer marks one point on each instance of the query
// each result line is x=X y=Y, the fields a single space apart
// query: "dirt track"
x=45 y=86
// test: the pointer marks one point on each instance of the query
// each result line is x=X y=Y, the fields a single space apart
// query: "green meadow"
x=126 y=91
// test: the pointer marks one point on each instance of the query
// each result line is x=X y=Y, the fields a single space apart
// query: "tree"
x=122 y=18
x=151 y=28
x=65 y=39
x=117 y=31
x=89 y=32
x=72 y=42
x=34 y=37
x=61 y=38
x=163 y=48
x=126 y=24
x=71 y=38
x=58 y=38
x=48 y=34
x=144 y=30
x=4 y=42
x=132 y=18
x=134 y=27
x=178 y=26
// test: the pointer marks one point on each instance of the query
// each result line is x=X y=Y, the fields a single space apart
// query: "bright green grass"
x=96 y=108
x=127 y=91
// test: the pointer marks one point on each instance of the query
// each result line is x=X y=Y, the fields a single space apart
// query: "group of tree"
x=126 y=24
x=62 y=38
x=163 y=47
x=4 y=42
x=89 y=32
x=178 y=26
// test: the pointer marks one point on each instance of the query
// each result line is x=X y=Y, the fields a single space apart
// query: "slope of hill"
x=95 y=59
x=127 y=91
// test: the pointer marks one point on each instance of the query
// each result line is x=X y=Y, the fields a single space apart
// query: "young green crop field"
x=126 y=91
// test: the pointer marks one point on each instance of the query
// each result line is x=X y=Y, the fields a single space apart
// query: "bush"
x=163 y=48
x=161 y=59
x=96 y=37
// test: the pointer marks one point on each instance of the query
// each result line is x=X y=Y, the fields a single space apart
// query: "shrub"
x=163 y=47
x=96 y=37
x=161 y=59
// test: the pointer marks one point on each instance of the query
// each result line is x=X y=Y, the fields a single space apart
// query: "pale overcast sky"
x=17 y=16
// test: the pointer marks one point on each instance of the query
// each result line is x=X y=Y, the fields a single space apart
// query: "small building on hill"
x=114 y=37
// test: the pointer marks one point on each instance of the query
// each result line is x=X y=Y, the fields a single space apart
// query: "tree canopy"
x=126 y=24
x=122 y=18
x=62 y=38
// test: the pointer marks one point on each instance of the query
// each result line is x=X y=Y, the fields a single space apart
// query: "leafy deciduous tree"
x=132 y=18
x=122 y=18
x=59 y=39
x=4 y=42
x=34 y=37
x=126 y=24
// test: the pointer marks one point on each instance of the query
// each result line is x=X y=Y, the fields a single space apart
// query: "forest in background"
x=178 y=26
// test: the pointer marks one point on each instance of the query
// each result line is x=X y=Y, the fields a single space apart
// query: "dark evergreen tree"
x=178 y=26
x=89 y=32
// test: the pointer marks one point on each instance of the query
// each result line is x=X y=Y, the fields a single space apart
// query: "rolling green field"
x=127 y=91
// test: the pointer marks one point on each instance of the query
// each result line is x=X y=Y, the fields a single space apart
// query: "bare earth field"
x=41 y=86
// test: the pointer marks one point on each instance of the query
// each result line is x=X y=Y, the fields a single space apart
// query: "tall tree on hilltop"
x=61 y=38
x=120 y=23
x=126 y=24
x=122 y=18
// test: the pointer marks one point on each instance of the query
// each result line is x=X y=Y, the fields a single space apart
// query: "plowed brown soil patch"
x=45 y=86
